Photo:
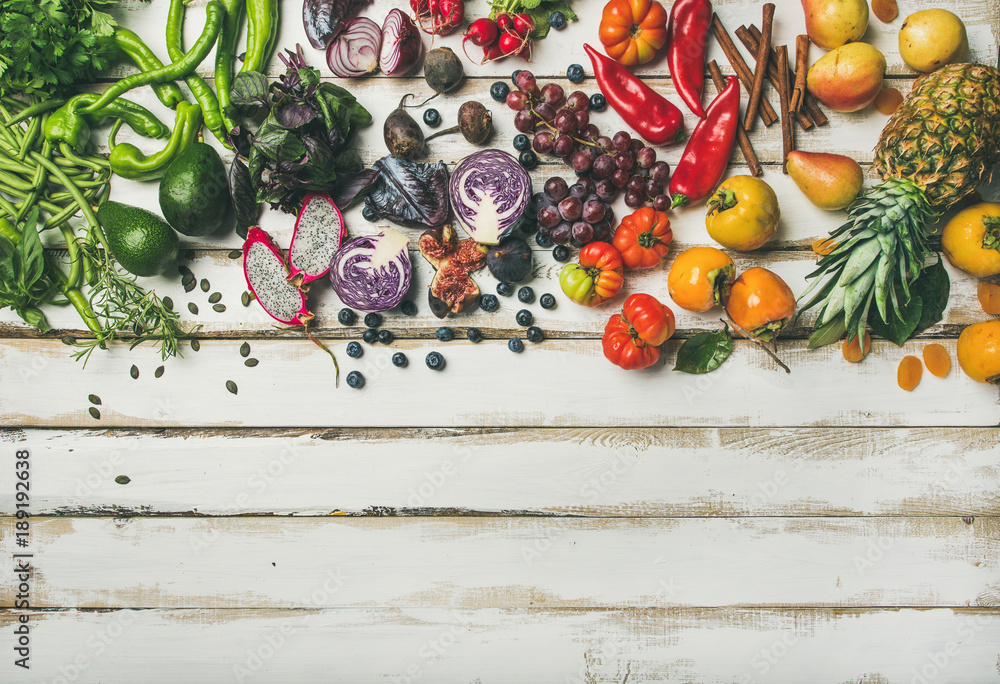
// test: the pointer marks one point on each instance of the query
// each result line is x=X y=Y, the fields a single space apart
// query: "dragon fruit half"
x=267 y=278
x=319 y=232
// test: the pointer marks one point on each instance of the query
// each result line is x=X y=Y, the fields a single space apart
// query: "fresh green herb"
x=538 y=10
x=704 y=352
x=25 y=282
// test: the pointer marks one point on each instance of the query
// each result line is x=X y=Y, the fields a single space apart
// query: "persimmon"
x=761 y=303
x=700 y=278
x=979 y=351
x=909 y=372
x=971 y=240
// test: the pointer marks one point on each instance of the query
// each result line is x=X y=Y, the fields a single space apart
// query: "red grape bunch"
x=572 y=213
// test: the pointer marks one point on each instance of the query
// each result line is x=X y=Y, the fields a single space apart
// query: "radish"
x=523 y=24
x=504 y=22
x=439 y=17
x=481 y=32
x=513 y=44
x=491 y=53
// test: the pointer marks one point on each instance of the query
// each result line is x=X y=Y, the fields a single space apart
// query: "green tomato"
x=577 y=283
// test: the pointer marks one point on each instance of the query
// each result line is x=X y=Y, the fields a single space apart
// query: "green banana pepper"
x=70 y=125
x=8 y=230
x=128 y=161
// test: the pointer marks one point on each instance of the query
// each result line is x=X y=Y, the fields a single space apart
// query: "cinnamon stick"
x=741 y=135
x=763 y=52
x=787 y=130
x=745 y=35
x=801 y=65
x=812 y=109
x=766 y=112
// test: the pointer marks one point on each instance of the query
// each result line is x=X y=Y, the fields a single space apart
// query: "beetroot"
x=267 y=279
x=319 y=232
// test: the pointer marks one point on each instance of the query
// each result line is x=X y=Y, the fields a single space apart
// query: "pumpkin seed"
x=94 y=413
x=68 y=339
x=189 y=285
x=158 y=373
x=231 y=386
x=123 y=479
x=195 y=345
x=185 y=271
x=189 y=254
x=94 y=399
x=250 y=363
x=235 y=254
x=245 y=298
x=214 y=297
x=134 y=372
x=193 y=308
x=245 y=350
x=205 y=285
x=168 y=303
x=219 y=307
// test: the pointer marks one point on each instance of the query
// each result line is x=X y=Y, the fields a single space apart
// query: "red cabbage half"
x=489 y=192
x=372 y=273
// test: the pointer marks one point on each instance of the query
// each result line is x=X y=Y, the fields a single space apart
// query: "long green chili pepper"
x=262 y=32
x=94 y=163
x=225 y=56
x=210 y=111
x=129 y=43
x=128 y=161
x=35 y=110
x=71 y=124
x=182 y=67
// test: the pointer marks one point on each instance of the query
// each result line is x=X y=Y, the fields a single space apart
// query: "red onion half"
x=401 y=44
x=355 y=50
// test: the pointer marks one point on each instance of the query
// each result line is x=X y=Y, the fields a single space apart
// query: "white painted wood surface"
x=534 y=518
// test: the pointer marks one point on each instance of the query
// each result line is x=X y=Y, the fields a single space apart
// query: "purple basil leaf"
x=294 y=115
x=353 y=188
x=244 y=202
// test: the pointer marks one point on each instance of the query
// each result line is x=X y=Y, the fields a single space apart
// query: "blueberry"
x=505 y=289
x=535 y=334
x=445 y=334
x=513 y=76
x=499 y=91
x=347 y=317
x=434 y=361
x=560 y=253
x=474 y=335
x=524 y=317
x=515 y=345
x=432 y=118
x=408 y=308
x=529 y=226
x=574 y=73
x=557 y=20
x=373 y=320
x=355 y=350
x=528 y=159
x=355 y=380
x=521 y=142
x=547 y=301
x=489 y=303
x=399 y=360
x=370 y=335
x=526 y=295
x=598 y=103
x=543 y=240
x=386 y=336
x=369 y=214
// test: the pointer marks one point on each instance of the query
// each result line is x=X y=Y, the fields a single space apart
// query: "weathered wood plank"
x=403 y=646
x=265 y=562
x=588 y=472
x=551 y=384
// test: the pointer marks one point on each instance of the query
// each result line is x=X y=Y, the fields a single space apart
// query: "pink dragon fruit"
x=267 y=279
x=319 y=231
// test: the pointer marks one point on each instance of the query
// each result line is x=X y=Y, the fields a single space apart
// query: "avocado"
x=194 y=191
x=140 y=241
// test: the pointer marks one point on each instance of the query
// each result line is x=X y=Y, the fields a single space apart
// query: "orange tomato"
x=633 y=30
x=700 y=278
x=643 y=238
x=761 y=303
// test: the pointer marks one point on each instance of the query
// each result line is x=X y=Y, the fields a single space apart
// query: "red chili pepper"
x=647 y=112
x=687 y=35
x=708 y=150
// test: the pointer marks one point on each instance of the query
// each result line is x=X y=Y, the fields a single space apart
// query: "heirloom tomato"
x=643 y=238
x=598 y=276
x=632 y=338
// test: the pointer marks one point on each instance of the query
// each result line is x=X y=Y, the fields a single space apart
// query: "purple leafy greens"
x=409 y=193
x=324 y=19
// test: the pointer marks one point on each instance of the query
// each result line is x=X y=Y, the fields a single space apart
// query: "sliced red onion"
x=401 y=44
x=354 y=52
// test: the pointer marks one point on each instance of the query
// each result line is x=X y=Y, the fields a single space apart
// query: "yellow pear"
x=931 y=38
x=847 y=78
x=832 y=23
x=830 y=181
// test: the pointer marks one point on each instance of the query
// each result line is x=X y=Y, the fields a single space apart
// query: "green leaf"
x=33 y=316
x=540 y=15
x=704 y=352
x=901 y=323
x=249 y=89
x=828 y=334
x=933 y=287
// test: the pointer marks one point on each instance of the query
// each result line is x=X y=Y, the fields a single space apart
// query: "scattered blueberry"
x=505 y=289
x=557 y=20
x=547 y=301
x=355 y=350
x=535 y=334
x=408 y=308
x=499 y=91
x=560 y=253
x=386 y=336
x=432 y=117
x=434 y=361
x=474 y=335
x=445 y=334
x=598 y=103
x=347 y=317
x=370 y=335
x=543 y=240
x=369 y=214
x=515 y=345
x=373 y=320
x=529 y=226
x=521 y=142
x=524 y=317
x=355 y=380
x=574 y=73
x=489 y=303
x=399 y=360
x=528 y=159
x=513 y=76
x=526 y=295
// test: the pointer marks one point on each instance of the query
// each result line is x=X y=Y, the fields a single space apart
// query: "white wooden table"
x=539 y=517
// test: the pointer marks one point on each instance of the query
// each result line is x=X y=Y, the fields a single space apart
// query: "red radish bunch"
x=506 y=35
x=439 y=17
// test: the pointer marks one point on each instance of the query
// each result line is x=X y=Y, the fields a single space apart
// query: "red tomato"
x=632 y=339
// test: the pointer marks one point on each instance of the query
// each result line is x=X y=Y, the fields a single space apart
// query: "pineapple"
x=934 y=151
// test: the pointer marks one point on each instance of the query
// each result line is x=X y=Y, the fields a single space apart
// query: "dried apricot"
x=937 y=360
x=989 y=297
x=888 y=101
x=853 y=350
x=824 y=246
x=885 y=10
x=909 y=372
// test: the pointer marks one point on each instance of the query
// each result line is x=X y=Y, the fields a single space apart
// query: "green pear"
x=830 y=181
